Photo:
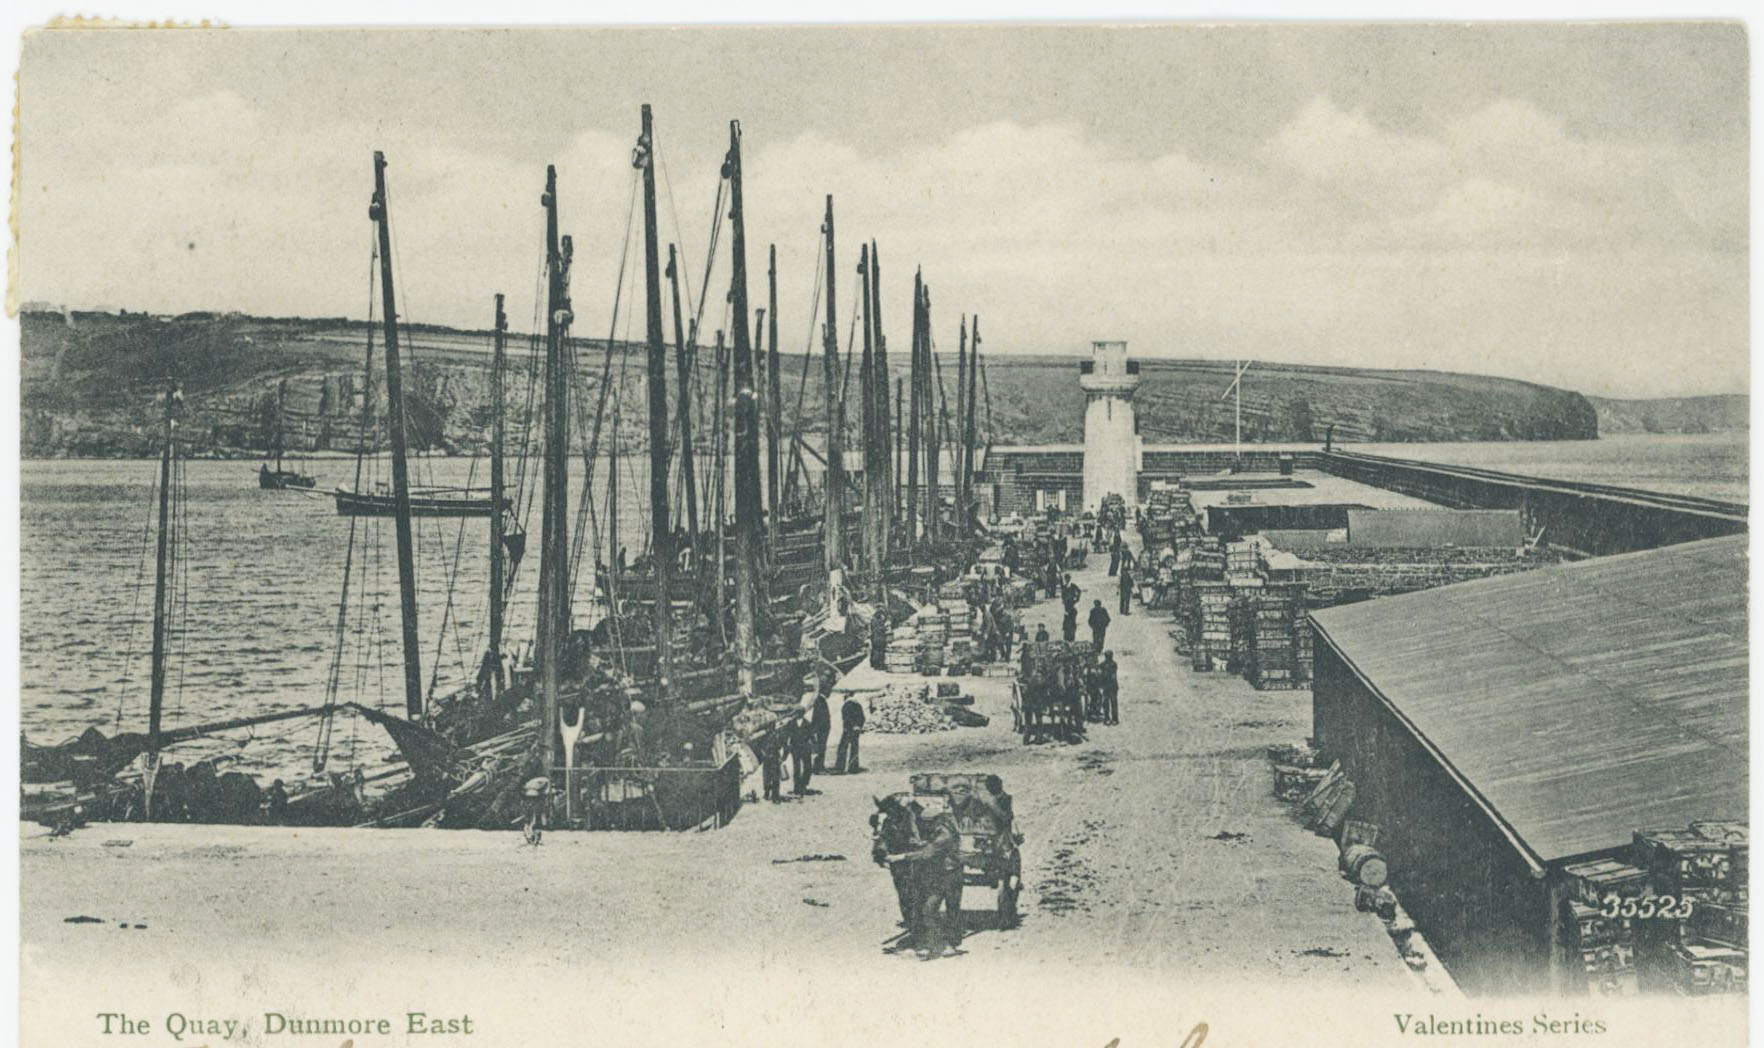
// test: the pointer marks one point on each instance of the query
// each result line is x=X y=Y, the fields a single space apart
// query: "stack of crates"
x=1212 y=646
x=1667 y=916
x=933 y=627
x=959 y=650
x=1273 y=658
x=1605 y=944
x=1701 y=949
x=902 y=655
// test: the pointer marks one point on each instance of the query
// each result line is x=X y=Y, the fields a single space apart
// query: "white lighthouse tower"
x=1111 y=434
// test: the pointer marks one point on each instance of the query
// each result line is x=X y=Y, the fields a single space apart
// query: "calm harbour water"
x=263 y=572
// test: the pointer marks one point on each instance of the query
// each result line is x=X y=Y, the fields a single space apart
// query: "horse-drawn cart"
x=990 y=858
x=1047 y=699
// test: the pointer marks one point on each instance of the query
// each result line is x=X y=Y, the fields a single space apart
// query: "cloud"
x=1491 y=241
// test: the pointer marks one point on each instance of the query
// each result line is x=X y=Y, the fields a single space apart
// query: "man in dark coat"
x=821 y=724
x=771 y=757
x=879 y=640
x=1114 y=556
x=1069 y=624
x=1111 y=689
x=802 y=745
x=1099 y=624
x=1126 y=590
x=851 y=720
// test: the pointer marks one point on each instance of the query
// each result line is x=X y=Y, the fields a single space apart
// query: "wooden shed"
x=1501 y=730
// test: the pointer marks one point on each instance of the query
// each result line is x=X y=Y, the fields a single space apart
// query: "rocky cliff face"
x=90 y=381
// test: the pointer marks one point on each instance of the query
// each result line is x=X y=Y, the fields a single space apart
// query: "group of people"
x=922 y=852
x=804 y=741
x=1102 y=689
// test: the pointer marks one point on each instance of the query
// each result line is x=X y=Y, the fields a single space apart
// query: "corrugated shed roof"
x=1582 y=702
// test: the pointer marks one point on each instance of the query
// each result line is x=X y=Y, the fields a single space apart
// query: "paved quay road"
x=1155 y=851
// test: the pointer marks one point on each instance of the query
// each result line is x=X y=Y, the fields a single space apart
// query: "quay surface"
x=1158 y=869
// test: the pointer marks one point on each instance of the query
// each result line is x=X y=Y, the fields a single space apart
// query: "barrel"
x=1365 y=865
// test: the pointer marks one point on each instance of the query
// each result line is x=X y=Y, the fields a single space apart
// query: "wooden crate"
x=1588 y=926
x=1593 y=882
x=1680 y=859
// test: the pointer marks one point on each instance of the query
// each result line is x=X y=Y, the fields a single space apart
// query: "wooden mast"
x=661 y=540
x=774 y=392
x=966 y=516
x=498 y=361
x=835 y=493
x=872 y=523
x=884 y=491
x=554 y=569
x=897 y=468
x=161 y=595
x=720 y=516
x=933 y=445
x=918 y=404
x=747 y=469
x=413 y=670
x=960 y=413
x=684 y=396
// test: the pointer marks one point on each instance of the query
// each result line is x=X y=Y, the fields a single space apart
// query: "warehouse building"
x=1499 y=731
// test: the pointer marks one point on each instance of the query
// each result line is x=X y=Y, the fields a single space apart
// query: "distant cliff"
x=1185 y=400
x=89 y=382
x=1727 y=413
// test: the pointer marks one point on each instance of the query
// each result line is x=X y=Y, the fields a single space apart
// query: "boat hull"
x=356 y=504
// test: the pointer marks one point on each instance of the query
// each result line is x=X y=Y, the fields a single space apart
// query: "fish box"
x=1588 y=926
x=1292 y=783
x=1699 y=968
x=1594 y=882
x=1723 y=923
x=1607 y=957
x=1680 y=859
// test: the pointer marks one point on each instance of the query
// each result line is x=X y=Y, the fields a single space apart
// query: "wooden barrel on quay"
x=1365 y=865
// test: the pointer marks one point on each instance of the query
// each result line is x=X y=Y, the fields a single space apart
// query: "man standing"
x=879 y=640
x=1114 y=556
x=771 y=768
x=1111 y=689
x=821 y=721
x=801 y=756
x=1126 y=589
x=1002 y=622
x=1069 y=624
x=1099 y=624
x=851 y=722
x=1072 y=593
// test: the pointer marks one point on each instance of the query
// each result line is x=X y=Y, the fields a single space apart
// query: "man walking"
x=851 y=721
x=1099 y=624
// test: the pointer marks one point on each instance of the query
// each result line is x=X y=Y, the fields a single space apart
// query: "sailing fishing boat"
x=279 y=479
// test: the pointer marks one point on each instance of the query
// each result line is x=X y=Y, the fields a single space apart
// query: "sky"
x=1563 y=204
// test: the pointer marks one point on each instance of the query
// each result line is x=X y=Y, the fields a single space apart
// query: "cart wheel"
x=1007 y=904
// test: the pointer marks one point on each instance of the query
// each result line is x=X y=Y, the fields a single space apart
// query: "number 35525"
x=1653 y=907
